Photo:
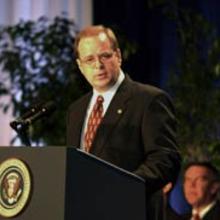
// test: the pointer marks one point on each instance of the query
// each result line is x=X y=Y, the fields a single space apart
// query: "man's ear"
x=79 y=64
x=118 y=54
x=215 y=187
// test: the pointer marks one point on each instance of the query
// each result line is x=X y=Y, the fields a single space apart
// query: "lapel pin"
x=119 y=111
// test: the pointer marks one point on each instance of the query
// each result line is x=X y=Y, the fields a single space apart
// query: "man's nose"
x=193 y=183
x=98 y=63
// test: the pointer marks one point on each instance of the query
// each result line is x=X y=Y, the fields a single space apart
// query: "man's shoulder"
x=144 y=89
x=186 y=216
x=80 y=101
x=214 y=212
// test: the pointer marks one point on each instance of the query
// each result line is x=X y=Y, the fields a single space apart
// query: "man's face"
x=199 y=186
x=98 y=62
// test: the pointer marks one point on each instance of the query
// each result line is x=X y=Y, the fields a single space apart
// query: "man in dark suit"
x=201 y=185
x=138 y=127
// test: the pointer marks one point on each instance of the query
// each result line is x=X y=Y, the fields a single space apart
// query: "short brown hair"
x=206 y=164
x=94 y=31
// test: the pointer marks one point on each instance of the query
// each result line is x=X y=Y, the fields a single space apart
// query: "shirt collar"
x=203 y=212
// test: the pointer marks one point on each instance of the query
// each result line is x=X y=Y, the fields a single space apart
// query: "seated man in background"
x=201 y=185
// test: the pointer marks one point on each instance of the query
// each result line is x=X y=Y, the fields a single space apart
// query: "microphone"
x=33 y=115
x=44 y=111
x=27 y=114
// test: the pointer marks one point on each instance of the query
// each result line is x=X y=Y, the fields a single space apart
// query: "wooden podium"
x=68 y=184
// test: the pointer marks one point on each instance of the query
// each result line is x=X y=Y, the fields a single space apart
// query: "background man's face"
x=198 y=186
x=98 y=62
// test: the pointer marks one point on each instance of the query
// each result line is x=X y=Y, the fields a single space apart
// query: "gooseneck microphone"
x=35 y=113
x=27 y=114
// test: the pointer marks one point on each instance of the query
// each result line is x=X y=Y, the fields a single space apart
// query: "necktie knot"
x=196 y=216
x=98 y=103
x=100 y=99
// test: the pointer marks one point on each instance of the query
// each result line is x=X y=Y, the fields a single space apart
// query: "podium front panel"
x=67 y=184
x=106 y=191
x=47 y=169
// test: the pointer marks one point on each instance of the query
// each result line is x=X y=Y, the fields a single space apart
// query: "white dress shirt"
x=107 y=95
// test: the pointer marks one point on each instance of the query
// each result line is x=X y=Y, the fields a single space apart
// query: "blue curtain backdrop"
x=153 y=32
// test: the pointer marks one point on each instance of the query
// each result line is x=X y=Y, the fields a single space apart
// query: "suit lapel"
x=78 y=124
x=113 y=115
x=213 y=213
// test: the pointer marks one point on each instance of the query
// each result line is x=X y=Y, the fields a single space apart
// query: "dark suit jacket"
x=140 y=139
x=170 y=214
x=212 y=214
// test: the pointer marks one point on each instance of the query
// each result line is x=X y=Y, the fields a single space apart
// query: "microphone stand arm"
x=22 y=130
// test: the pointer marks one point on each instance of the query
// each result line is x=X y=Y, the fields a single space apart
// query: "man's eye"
x=202 y=179
x=106 y=55
x=89 y=60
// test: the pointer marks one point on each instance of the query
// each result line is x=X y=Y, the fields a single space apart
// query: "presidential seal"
x=15 y=186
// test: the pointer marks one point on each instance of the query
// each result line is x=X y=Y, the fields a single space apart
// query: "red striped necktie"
x=93 y=122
